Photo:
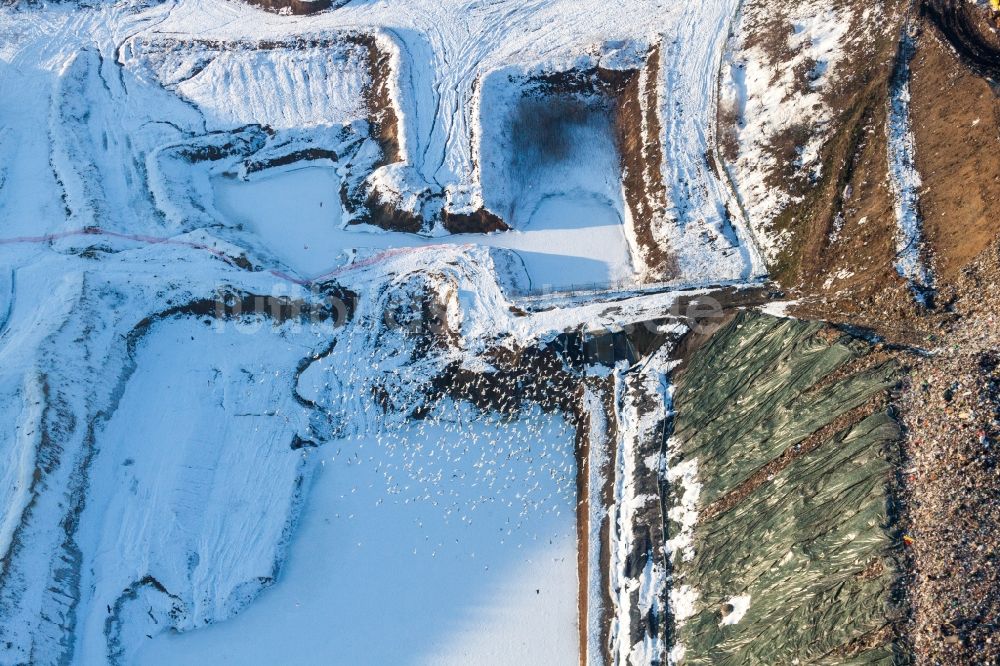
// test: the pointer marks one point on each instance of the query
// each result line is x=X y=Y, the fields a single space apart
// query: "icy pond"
x=570 y=238
x=449 y=541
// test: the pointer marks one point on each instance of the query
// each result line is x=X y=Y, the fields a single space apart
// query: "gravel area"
x=951 y=412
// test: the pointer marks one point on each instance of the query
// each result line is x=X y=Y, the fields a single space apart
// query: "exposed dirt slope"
x=956 y=122
x=833 y=221
x=971 y=29
x=844 y=267
x=295 y=7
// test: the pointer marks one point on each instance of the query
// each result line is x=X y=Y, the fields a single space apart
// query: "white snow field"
x=448 y=542
x=186 y=487
x=195 y=469
x=297 y=213
x=281 y=88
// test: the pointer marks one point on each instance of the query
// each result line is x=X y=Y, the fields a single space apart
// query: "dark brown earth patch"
x=972 y=32
x=295 y=7
x=477 y=222
x=956 y=122
x=637 y=122
x=387 y=215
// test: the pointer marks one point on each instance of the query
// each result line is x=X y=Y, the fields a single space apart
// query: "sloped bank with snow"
x=904 y=179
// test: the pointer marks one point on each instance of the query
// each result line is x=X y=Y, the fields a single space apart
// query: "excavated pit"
x=591 y=137
x=555 y=149
x=599 y=119
x=234 y=83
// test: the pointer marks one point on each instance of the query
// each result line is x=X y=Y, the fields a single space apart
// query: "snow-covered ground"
x=162 y=455
x=451 y=542
x=297 y=213
x=639 y=457
x=283 y=88
x=458 y=69
x=194 y=482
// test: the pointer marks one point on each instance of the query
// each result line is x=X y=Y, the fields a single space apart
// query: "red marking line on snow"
x=166 y=240
x=97 y=231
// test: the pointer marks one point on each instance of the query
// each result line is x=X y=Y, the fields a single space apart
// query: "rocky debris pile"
x=951 y=411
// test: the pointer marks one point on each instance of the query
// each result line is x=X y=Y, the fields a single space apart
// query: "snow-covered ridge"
x=904 y=179
x=301 y=82
x=640 y=559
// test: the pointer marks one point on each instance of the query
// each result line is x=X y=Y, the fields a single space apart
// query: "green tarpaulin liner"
x=811 y=540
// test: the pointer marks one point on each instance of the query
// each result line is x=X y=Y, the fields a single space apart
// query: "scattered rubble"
x=951 y=411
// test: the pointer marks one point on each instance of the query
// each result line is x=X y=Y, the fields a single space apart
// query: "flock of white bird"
x=455 y=461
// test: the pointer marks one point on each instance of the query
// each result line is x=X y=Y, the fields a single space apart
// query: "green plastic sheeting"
x=812 y=545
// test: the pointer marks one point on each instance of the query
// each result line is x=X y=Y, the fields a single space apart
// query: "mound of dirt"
x=481 y=221
x=956 y=123
x=296 y=7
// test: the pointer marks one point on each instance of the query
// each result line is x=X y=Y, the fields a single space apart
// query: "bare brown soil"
x=841 y=228
x=641 y=156
x=956 y=122
x=481 y=221
x=296 y=7
x=842 y=267
x=971 y=30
